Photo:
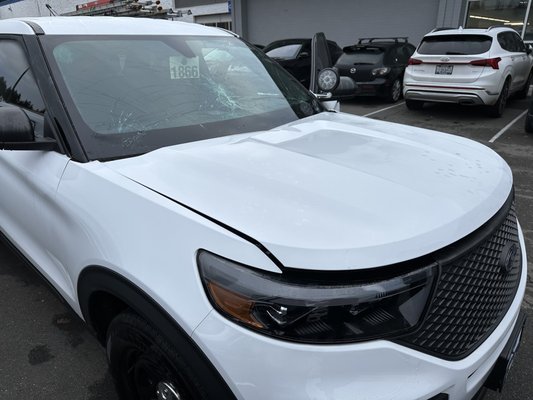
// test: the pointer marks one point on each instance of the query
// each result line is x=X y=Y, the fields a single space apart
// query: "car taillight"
x=414 y=61
x=488 y=62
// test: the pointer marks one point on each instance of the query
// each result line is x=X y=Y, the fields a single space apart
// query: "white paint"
x=383 y=109
x=377 y=369
x=332 y=191
x=506 y=127
x=110 y=26
x=335 y=191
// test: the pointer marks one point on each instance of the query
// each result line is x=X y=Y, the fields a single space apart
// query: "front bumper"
x=261 y=368
x=349 y=88
x=444 y=97
x=466 y=95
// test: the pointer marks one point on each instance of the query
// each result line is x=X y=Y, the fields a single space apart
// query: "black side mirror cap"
x=15 y=126
x=16 y=132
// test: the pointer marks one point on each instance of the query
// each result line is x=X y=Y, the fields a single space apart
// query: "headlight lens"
x=315 y=312
x=380 y=71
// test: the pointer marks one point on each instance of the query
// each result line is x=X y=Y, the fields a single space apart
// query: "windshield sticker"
x=184 y=68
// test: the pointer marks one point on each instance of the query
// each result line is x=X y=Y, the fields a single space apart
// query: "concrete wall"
x=344 y=21
x=451 y=13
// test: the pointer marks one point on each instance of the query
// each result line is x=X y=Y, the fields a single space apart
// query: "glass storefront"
x=511 y=13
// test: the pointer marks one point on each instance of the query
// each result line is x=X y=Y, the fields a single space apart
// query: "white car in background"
x=228 y=237
x=470 y=67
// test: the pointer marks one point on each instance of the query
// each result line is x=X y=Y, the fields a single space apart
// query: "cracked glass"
x=130 y=95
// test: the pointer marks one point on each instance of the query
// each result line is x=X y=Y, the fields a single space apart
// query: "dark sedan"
x=373 y=67
x=295 y=56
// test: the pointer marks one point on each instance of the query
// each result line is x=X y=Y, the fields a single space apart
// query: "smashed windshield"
x=130 y=95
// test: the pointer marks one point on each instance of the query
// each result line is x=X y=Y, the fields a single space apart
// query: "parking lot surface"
x=47 y=353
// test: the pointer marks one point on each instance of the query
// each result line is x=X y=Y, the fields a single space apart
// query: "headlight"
x=315 y=310
x=380 y=71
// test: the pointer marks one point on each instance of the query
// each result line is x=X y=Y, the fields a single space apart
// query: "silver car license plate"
x=443 y=69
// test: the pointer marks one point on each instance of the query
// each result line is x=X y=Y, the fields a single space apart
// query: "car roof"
x=470 y=31
x=104 y=26
x=285 y=42
x=289 y=41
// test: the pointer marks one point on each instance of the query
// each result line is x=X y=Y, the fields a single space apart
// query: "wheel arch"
x=103 y=294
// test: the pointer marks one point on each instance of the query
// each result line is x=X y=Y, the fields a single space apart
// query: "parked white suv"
x=227 y=237
x=469 y=66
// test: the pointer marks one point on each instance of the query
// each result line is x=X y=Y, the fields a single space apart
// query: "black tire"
x=140 y=359
x=529 y=123
x=497 y=109
x=414 y=104
x=395 y=91
x=522 y=94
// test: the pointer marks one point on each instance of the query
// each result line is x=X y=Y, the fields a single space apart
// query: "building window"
x=224 y=25
x=485 y=13
x=216 y=20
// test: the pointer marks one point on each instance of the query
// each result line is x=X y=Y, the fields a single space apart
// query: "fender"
x=119 y=294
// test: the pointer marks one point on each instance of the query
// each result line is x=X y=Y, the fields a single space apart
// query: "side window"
x=505 y=41
x=519 y=44
x=17 y=84
x=306 y=48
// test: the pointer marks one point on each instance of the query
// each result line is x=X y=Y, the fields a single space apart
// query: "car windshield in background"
x=130 y=95
x=285 y=52
x=455 y=44
x=357 y=56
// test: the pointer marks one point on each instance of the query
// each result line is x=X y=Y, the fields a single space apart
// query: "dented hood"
x=334 y=191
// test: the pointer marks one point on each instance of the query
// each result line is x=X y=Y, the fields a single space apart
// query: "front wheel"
x=145 y=366
x=395 y=91
x=497 y=109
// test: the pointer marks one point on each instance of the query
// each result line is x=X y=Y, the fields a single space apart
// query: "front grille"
x=471 y=297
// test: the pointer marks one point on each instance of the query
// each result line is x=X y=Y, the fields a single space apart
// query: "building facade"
x=263 y=21
x=207 y=12
x=345 y=21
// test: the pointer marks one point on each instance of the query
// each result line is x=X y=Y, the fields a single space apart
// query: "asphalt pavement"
x=47 y=353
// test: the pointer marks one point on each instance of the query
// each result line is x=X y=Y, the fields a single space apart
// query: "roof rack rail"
x=371 y=39
x=442 y=28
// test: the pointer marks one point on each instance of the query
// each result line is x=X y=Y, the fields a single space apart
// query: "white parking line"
x=383 y=109
x=506 y=127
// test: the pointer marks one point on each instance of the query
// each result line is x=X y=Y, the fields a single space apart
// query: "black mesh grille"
x=471 y=297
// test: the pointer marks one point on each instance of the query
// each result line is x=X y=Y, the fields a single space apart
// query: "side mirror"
x=529 y=50
x=16 y=132
x=304 y=54
x=15 y=126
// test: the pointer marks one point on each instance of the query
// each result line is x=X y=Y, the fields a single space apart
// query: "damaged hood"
x=334 y=191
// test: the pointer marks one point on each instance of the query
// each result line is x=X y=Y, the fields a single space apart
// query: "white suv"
x=469 y=66
x=227 y=237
